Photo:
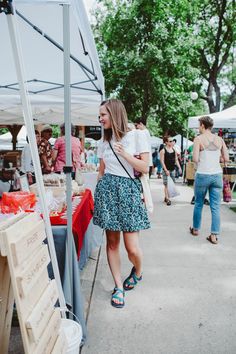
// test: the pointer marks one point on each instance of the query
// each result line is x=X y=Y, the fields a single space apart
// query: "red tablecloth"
x=80 y=219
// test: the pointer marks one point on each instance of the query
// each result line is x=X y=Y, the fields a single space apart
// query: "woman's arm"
x=141 y=165
x=54 y=155
x=224 y=152
x=196 y=149
x=101 y=169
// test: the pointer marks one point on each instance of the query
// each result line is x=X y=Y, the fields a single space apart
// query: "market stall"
x=52 y=70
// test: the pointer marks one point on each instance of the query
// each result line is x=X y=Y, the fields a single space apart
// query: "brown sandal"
x=209 y=238
x=193 y=231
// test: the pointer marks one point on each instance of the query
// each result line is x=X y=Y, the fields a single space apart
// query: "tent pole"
x=27 y=112
x=185 y=155
x=67 y=117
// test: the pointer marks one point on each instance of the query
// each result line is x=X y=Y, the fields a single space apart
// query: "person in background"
x=178 y=151
x=156 y=162
x=118 y=207
x=208 y=150
x=45 y=149
x=59 y=151
x=90 y=155
x=140 y=124
x=27 y=166
x=169 y=159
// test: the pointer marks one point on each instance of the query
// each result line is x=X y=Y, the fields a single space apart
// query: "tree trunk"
x=210 y=101
x=218 y=97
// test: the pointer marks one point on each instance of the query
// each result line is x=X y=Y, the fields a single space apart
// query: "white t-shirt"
x=134 y=143
x=26 y=160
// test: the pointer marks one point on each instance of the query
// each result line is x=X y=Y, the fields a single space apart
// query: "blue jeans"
x=213 y=184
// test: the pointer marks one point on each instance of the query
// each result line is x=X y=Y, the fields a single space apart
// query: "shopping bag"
x=227 y=194
x=171 y=188
x=147 y=192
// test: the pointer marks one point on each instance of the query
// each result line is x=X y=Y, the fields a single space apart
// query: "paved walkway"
x=186 y=303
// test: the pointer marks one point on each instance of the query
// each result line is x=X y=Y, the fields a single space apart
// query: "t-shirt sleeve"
x=56 y=145
x=100 y=149
x=142 y=143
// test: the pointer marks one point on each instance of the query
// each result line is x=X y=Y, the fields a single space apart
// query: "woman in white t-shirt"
x=118 y=204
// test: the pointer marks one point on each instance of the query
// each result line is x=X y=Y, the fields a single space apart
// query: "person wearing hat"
x=59 y=151
x=45 y=149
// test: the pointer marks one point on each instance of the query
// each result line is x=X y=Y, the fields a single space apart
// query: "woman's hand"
x=119 y=149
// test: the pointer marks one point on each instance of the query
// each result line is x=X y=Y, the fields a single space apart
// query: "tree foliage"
x=154 y=53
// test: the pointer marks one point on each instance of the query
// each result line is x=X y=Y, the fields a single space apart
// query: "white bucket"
x=73 y=333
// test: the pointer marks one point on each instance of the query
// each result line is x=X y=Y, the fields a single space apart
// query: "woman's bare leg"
x=131 y=241
x=113 y=257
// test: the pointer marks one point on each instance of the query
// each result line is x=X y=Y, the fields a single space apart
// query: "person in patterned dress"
x=118 y=204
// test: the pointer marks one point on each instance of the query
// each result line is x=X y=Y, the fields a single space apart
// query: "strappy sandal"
x=167 y=201
x=214 y=242
x=131 y=281
x=193 y=231
x=115 y=295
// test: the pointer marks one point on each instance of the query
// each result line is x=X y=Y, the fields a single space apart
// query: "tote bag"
x=147 y=192
x=171 y=188
x=227 y=194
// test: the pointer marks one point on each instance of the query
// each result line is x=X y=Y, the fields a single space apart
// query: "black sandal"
x=193 y=231
x=214 y=242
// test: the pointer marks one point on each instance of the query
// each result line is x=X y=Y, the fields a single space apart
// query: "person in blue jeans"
x=208 y=151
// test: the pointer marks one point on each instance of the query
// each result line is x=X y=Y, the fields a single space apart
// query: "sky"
x=89 y=5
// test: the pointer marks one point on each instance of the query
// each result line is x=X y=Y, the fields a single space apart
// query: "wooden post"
x=6 y=305
x=14 y=130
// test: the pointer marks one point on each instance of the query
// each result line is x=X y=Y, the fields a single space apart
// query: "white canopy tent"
x=156 y=142
x=224 y=119
x=186 y=142
x=41 y=57
x=43 y=61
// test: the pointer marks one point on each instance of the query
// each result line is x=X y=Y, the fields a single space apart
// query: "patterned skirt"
x=118 y=205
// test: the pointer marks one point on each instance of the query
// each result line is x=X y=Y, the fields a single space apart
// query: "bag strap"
x=122 y=165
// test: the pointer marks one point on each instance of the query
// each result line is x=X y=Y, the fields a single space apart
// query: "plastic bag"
x=147 y=193
x=171 y=188
x=14 y=202
x=227 y=194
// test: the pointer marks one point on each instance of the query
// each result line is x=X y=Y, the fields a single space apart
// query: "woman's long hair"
x=119 y=120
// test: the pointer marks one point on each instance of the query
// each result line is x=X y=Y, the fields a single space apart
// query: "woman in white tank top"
x=208 y=151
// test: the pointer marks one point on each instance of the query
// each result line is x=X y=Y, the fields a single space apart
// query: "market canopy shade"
x=41 y=36
x=186 y=142
x=223 y=119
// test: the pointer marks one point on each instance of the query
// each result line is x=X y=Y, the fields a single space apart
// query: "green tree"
x=213 y=24
x=152 y=58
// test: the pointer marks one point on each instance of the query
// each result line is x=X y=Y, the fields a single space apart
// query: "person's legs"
x=113 y=257
x=150 y=171
x=131 y=241
x=159 y=168
x=215 y=190
x=164 y=176
x=200 y=190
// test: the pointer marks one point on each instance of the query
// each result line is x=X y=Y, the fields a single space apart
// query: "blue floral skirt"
x=118 y=205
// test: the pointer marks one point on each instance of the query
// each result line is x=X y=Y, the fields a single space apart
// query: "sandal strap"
x=116 y=292
x=135 y=279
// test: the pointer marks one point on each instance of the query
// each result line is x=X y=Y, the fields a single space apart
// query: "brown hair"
x=165 y=138
x=140 y=120
x=119 y=120
x=206 y=121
